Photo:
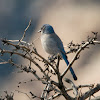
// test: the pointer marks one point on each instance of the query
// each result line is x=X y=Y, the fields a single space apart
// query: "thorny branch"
x=73 y=86
x=25 y=31
x=29 y=52
x=78 y=51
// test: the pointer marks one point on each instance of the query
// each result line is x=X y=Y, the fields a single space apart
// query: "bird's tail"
x=71 y=69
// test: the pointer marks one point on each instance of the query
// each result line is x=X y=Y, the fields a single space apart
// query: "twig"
x=67 y=90
x=23 y=41
x=80 y=86
x=4 y=62
x=54 y=96
x=25 y=32
x=24 y=93
x=20 y=42
x=90 y=92
x=73 y=86
x=42 y=95
x=96 y=98
x=25 y=69
x=30 y=59
x=74 y=58
x=58 y=61
x=28 y=49
x=77 y=53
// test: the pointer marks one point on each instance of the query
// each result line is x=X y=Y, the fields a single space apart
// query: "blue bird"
x=53 y=45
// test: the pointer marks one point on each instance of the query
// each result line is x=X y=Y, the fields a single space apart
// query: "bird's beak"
x=39 y=31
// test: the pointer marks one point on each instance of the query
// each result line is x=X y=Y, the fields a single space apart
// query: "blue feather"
x=71 y=69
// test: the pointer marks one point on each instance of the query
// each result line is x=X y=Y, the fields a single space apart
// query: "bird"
x=53 y=45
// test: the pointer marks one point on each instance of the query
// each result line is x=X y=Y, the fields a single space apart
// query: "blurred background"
x=71 y=19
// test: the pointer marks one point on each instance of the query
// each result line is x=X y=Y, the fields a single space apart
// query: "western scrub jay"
x=53 y=45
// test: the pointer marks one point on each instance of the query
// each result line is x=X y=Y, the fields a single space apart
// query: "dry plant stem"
x=31 y=71
x=23 y=41
x=46 y=93
x=54 y=96
x=3 y=61
x=96 y=42
x=23 y=93
x=44 y=60
x=36 y=76
x=59 y=94
x=61 y=86
x=58 y=61
x=57 y=72
x=76 y=55
x=43 y=93
x=90 y=92
x=22 y=55
x=25 y=31
x=80 y=86
x=30 y=59
x=96 y=98
x=73 y=87
x=63 y=91
x=20 y=42
x=28 y=49
x=16 y=46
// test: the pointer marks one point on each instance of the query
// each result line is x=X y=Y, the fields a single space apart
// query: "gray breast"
x=49 y=44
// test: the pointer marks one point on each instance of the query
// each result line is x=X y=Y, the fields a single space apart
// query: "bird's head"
x=46 y=29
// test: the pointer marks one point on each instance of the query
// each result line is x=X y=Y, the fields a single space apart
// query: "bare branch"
x=80 y=86
x=24 y=93
x=28 y=49
x=3 y=61
x=54 y=96
x=73 y=86
x=25 y=32
x=78 y=52
x=96 y=98
x=24 y=56
x=90 y=92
